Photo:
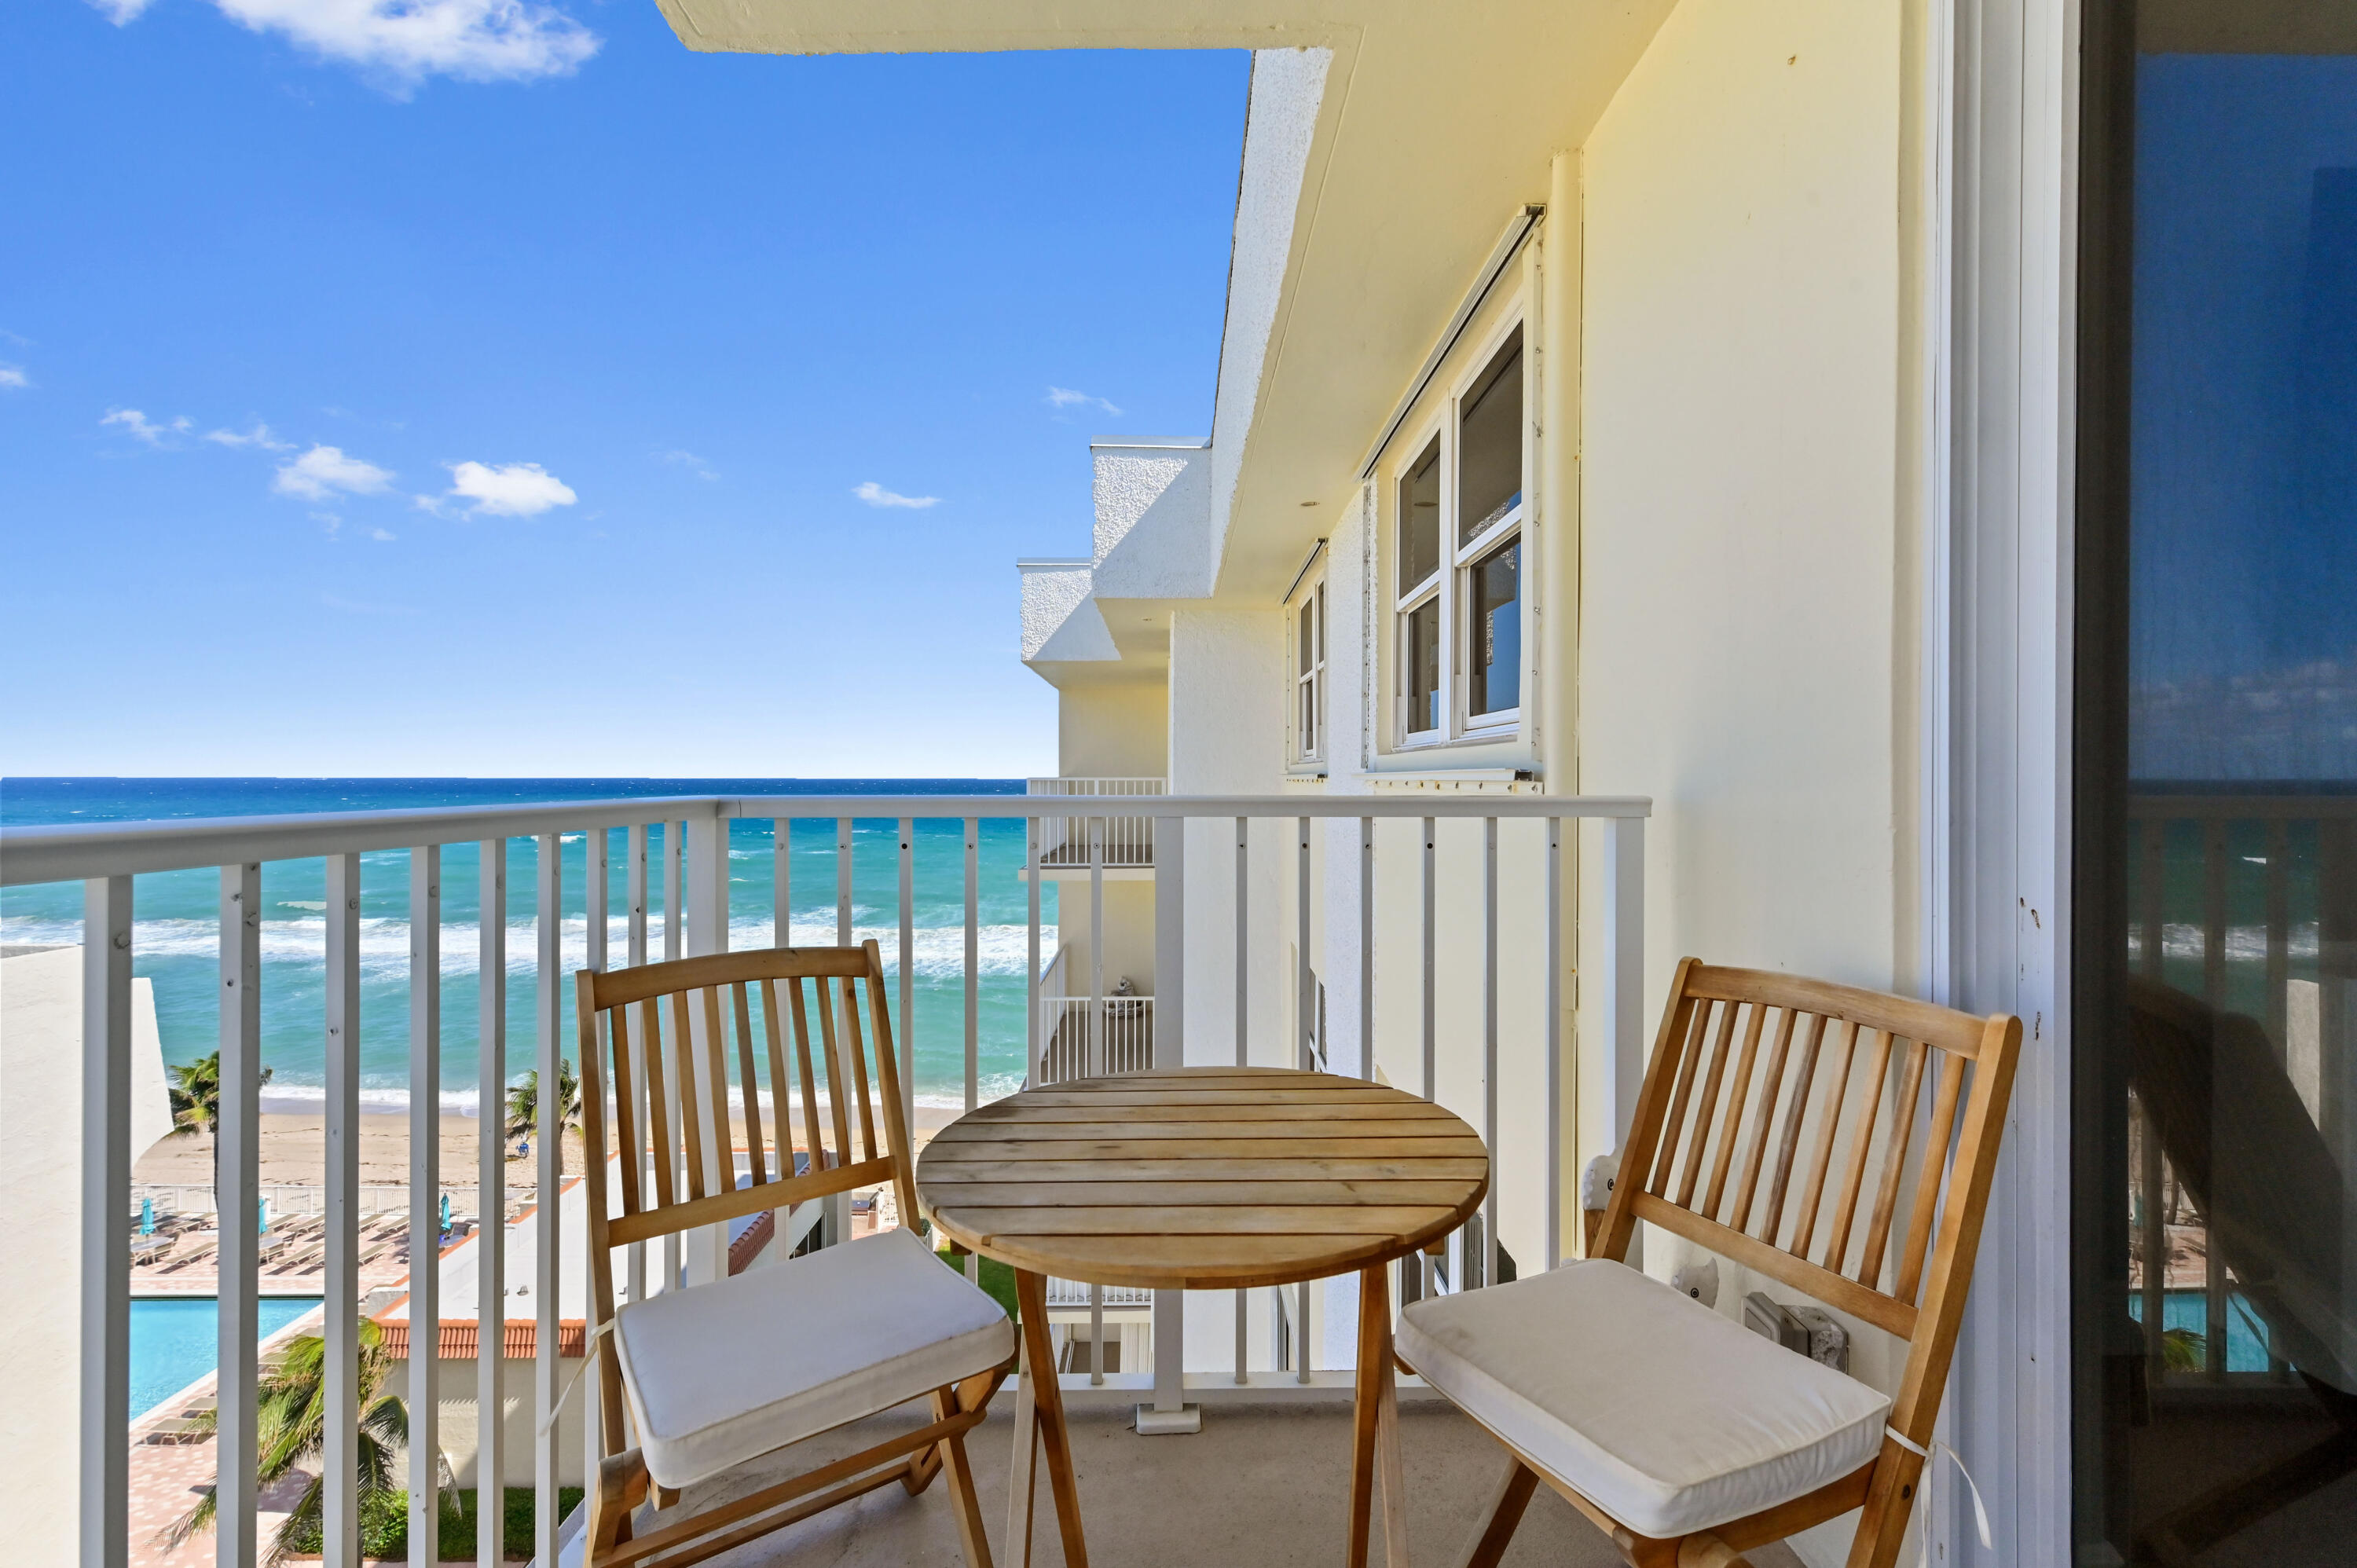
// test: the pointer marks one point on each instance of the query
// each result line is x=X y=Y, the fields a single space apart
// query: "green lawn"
x=385 y=1524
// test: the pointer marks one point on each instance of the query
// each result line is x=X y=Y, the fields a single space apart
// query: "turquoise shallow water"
x=176 y=934
x=174 y=1341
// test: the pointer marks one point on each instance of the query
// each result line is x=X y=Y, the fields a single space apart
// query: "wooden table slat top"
x=1204 y=1178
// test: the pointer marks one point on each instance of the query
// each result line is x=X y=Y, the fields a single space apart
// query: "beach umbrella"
x=446 y=1211
x=146 y=1216
x=263 y=1204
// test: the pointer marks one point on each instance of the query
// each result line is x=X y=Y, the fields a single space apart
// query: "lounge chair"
x=1685 y=1436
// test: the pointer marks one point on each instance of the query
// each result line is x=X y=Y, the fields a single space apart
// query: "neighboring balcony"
x=1116 y=847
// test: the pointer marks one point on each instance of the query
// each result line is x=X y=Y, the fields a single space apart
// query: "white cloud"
x=122 y=13
x=875 y=494
x=323 y=470
x=13 y=378
x=688 y=461
x=1065 y=397
x=330 y=523
x=382 y=535
x=405 y=41
x=145 y=429
x=511 y=490
x=259 y=436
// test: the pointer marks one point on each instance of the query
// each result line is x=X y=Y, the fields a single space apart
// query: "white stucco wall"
x=1739 y=516
x=1061 y=621
x=1153 y=507
x=40 y=1231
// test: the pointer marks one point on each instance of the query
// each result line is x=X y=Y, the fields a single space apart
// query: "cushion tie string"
x=1980 y=1513
x=589 y=1355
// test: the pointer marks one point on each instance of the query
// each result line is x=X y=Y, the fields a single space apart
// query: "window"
x=1458 y=562
x=1309 y=675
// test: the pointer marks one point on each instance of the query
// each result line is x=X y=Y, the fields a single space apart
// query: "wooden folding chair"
x=1681 y=1434
x=707 y=1378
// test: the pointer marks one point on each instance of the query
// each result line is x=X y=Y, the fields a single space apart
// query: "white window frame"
x=1451 y=583
x=1311 y=686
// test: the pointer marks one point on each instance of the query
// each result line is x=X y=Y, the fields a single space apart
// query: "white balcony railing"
x=692 y=867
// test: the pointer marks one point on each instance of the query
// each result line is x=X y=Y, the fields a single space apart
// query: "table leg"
x=1038 y=1352
x=1022 y=1481
x=1374 y=1428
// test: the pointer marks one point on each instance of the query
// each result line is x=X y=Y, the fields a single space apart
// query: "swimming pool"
x=174 y=1341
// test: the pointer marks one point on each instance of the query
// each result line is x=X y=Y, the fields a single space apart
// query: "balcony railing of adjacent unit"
x=1087 y=1037
x=1116 y=843
x=682 y=847
x=2248 y=902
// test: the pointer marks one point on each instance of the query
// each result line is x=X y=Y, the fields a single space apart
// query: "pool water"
x=174 y=1341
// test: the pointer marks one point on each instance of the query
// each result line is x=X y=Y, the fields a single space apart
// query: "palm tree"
x=290 y=1410
x=196 y=1089
x=523 y=1102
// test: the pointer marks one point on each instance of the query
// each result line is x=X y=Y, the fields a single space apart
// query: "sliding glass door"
x=2214 y=1206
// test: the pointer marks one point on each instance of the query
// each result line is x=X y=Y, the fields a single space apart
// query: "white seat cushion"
x=722 y=1373
x=1664 y=1414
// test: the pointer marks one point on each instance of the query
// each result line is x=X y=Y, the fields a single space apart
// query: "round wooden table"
x=1203 y=1179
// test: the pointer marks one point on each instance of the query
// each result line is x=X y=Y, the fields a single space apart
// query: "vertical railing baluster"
x=106 y=1222
x=548 y=1149
x=1556 y=1173
x=597 y=887
x=1490 y=1044
x=842 y=901
x=491 y=1197
x=1096 y=1334
x=1304 y=1006
x=1243 y=1057
x=675 y=856
x=425 y=1202
x=2153 y=872
x=2213 y=912
x=908 y=1031
x=972 y=964
x=340 y=1284
x=634 y=873
x=1031 y=1043
x=1624 y=982
x=781 y=884
x=1094 y=1020
x=2278 y=981
x=1431 y=962
x=1367 y=948
x=1166 y=1026
x=237 y=1152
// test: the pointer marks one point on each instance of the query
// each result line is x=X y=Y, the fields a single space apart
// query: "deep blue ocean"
x=176 y=936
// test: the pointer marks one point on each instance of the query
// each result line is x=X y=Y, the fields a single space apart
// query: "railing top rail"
x=67 y=853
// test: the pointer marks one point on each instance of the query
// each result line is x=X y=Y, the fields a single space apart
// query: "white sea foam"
x=383 y=1100
x=937 y=953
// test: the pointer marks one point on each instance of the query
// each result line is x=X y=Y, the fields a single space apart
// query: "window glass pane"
x=2215 y=1036
x=1419 y=524
x=1423 y=671
x=1496 y=624
x=1308 y=637
x=1489 y=445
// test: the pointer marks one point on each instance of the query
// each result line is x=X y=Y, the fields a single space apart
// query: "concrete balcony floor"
x=1260 y=1483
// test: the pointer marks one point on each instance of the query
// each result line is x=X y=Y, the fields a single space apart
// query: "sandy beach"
x=294 y=1150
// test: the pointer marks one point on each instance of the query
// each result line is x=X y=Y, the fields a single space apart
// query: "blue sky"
x=501 y=389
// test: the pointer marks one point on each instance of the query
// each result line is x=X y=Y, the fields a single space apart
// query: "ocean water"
x=176 y=933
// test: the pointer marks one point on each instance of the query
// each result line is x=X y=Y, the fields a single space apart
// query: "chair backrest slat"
x=1697 y=1021
x=810 y=1082
x=1788 y=1147
x=837 y=1096
x=682 y=1087
x=1894 y=1164
x=626 y=1106
x=657 y=1087
x=1772 y=1084
x=1737 y=1090
x=1804 y=1224
x=1927 y=1180
x=856 y=1054
x=1704 y=1120
x=749 y=1081
x=713 y=1061
x=1819 y=1100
